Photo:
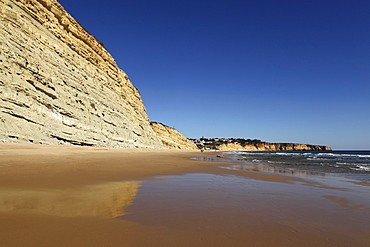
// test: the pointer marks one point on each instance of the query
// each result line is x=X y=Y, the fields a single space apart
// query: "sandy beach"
x=53 y=195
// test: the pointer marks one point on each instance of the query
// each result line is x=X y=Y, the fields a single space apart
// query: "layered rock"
x=230 y=147
x=266 y=146
x=58 y=84
x=171 y=138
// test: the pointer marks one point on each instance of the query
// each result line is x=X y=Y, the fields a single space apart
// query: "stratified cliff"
x=266 y=146
x=58 y=84
x=171 y=138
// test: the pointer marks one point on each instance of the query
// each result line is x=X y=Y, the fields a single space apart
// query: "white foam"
x=361 y=168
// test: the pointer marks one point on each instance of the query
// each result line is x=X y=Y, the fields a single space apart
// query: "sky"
x=275 y=70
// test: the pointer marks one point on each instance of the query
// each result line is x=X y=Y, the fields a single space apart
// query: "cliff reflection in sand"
x=103 y=200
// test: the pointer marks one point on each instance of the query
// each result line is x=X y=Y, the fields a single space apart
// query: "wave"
x=308 y=155
x=338 y=162
x=360 y=168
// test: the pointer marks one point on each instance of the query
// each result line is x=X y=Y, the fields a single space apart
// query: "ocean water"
x=353 y=164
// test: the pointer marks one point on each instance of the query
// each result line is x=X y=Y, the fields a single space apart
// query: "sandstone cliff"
x=171 y=138
x=58 y=84
x=266 y=146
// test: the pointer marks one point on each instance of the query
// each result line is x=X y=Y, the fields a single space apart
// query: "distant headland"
x=241 y=144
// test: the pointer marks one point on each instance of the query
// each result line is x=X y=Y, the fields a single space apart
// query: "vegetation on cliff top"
x=252 y=144
x=213 y=143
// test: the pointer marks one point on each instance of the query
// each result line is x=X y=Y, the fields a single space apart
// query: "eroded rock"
x=58 y=84
x=171 y=138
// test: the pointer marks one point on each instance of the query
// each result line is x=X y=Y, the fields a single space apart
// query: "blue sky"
x=279 y=71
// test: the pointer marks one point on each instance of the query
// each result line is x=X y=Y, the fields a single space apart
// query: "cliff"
x=171 y=138
x=266 y=146
x=58 y=84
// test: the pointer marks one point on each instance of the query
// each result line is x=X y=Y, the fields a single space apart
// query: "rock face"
x=58 y=84
x=171 y=138
x=266 y=146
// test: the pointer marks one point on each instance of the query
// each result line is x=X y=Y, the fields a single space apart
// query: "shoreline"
x=88 y=196
x=349 y=164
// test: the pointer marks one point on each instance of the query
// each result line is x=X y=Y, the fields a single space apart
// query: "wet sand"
x=83 y=196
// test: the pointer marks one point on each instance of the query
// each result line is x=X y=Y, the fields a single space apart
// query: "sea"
x=353 y=164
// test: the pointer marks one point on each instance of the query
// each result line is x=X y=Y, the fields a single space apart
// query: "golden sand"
x=78 y=196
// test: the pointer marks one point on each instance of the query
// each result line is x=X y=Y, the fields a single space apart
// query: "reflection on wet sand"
x=104 y=200
x=272 y=169
x=344 y=202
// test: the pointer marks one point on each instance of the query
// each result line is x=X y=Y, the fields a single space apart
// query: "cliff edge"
x=58 y=84
x=266 y=146
x=171 y=138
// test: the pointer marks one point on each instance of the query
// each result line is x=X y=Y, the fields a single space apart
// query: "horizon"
x=292 y=71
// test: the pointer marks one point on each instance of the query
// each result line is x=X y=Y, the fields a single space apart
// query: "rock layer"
x=266 y=146
x=58 y=84
x=171 y=138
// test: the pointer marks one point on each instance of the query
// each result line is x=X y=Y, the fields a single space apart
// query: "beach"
x=55 y=195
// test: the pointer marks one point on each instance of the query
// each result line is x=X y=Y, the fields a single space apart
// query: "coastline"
x=85 y=196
